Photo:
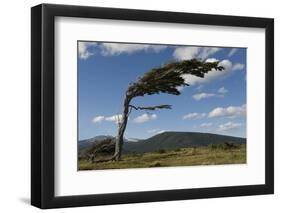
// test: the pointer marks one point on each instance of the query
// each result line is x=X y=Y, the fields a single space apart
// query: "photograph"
x=173 y=105
x=160 y=105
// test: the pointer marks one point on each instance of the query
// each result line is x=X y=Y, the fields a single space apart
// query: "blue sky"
x=215 y=104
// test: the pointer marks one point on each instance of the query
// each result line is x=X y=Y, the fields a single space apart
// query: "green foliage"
x=169 y=77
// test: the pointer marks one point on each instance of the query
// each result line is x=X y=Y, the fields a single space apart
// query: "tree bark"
x=121 y=129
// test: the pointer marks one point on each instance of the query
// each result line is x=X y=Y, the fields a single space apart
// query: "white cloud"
x=194 y=116
x=211 y=60
x=187 y=53
x=199 y=96
x=157 y=131
x=231 y=111
x=180 y=88
x=226 y=64
x=238 y=66
x=161 y=131
x=111 y=49
x=153 y=130
x=83 y=49
x=202 y=95
x=208 y=51
x=228 y=126
x=145 y=117
x=222 y=90
x=232 y=52
x=206 y=125
x=113 y=118
x=98 y=119
x=214 y=74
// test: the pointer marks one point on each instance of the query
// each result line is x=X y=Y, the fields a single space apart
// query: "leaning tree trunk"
x=121 y=129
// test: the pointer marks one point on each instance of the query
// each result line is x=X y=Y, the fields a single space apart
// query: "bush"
x=161 y=151
x=224 y=146
x=102 y=148
x=177 y=150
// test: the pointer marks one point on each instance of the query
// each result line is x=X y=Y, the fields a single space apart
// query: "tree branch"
x=165 y=106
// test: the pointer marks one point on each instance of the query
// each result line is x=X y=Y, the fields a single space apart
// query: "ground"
x=180 y=157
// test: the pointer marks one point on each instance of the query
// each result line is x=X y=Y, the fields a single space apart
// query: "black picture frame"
x=43 y=110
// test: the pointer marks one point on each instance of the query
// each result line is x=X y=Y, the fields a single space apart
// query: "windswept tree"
x=165 y=79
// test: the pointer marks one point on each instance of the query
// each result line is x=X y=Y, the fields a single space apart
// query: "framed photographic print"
x=139 y=106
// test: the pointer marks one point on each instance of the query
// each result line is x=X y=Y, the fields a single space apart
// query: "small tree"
x=165 y=79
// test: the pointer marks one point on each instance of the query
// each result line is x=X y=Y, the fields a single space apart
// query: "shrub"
x=177 y=150
x=224 y=146
x=161 y=151
x=102 y=148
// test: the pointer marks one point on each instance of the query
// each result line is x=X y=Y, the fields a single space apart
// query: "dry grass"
x=179 y=157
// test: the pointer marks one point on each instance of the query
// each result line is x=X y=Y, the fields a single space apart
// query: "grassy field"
x=180 y=157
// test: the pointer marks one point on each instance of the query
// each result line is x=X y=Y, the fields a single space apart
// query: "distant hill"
x=174 y=140
x=167 y=141
x=88 y=143
x=92 y=141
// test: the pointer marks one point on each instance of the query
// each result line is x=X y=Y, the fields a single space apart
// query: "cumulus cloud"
x=228 y=126
x=98 y=119
x=111 y=49
x=145 y=117
x=222 y=90
x=231 y=111
x=194 y=116
x=238 y=66
x=211 y=60
x=232 y=52
x=214 y=74
x=180 y=88
x=187 y=53
x=206 y=125
x=220 y=93
x=208 y=51
x=113 y=118
x=202 y=95
x=83 y=49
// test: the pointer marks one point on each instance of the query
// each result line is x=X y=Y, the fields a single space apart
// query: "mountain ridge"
x=167 y=140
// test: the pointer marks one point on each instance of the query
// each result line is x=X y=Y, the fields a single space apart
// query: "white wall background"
x=15 y=105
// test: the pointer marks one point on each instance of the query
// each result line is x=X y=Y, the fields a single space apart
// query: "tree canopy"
x=168 y=78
